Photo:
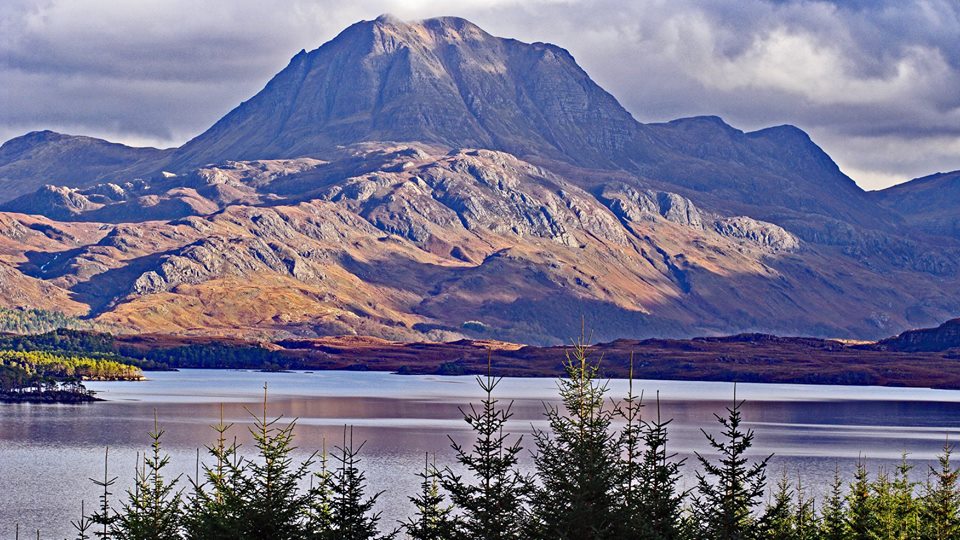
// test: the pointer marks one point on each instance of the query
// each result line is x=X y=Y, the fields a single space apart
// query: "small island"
x=57 y=377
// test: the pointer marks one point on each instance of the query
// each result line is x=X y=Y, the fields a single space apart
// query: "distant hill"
x=944 y=337
x=931 y=203
x=47 y=157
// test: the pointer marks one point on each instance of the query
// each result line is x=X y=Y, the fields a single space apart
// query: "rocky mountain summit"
x=425 y=179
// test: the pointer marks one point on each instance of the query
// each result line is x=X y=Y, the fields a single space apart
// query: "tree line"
x=194 y=355
x=602 y=471
x=42 y=374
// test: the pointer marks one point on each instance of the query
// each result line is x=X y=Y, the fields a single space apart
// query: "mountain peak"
x=441 y=81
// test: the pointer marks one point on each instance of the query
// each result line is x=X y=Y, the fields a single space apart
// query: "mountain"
x=445 y=81
x=415 y=180
x=46 y=157
x=442 y=81
x=931 y=203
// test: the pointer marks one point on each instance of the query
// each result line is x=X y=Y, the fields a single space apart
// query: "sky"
x=875 y=82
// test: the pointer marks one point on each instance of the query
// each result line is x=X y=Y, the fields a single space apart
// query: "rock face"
x=763 y=234
x=429 y=180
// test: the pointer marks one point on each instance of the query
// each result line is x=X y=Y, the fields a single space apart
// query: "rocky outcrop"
x=633 y=204
x=766 y=235
x=476 y=190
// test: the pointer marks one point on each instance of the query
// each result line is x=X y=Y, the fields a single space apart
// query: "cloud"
x=860 y=76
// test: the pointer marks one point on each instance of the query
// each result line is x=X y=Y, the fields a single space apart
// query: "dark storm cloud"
x=876 y=83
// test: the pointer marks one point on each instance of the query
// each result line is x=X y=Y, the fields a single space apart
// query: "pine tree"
x=883 y=506
x=434 y=518
x=272 y=504
x=658 y=510
x=861 y=520
x=214 y=510
x=319 y=523
x=729 y=491
x=153 y=508
x=806 y=525
x=577 y=460
x=833 y=524
x=779 y=520
x=492 y=502
x=634 y=522
x=83 y=524
x=105 y=518
x=353 y=517
x=940 y=506
x=906 y=510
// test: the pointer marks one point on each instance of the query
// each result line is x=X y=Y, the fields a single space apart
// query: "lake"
x=49 y=452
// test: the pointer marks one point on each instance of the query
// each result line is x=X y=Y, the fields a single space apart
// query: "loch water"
x=49 y=453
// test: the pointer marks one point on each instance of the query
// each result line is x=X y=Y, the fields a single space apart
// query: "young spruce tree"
x=492 y=501
x=861 y=518
x=730 y=490
x=578 y=459
x=272 y=503
x=352 y=516
x=433 y=519
x=153 y=509
x=833 y=525
x=940 y=505
x=214 y=510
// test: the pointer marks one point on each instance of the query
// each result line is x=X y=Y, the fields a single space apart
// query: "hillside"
x=931 y=203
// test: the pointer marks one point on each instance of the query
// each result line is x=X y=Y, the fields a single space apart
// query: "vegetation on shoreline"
x=40 y=376
x=603 y=471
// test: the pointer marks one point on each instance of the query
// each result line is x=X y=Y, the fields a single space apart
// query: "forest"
x=57 y=376
x=602 y=471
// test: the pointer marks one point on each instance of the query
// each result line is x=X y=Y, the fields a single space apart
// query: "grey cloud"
x=858 y=75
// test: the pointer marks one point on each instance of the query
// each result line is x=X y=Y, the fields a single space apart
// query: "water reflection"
x=49 y=452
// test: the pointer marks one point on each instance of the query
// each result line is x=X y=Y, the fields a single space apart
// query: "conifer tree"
x=883 y=506
x=104 y=518
x=833 y=524
x=153 y=508
x=940 y=506
x=272 y=503
x=861 y=519
x=906 y=510
x=806 y=525
x=577 y=460
x=659 y=511
x=633 y=522
x=214 y=510
x=729 y=491
x=83 y=524
x=433 y=519
x=492 y=501
x=352 y=513
x=320 y=511
x=779 y=520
